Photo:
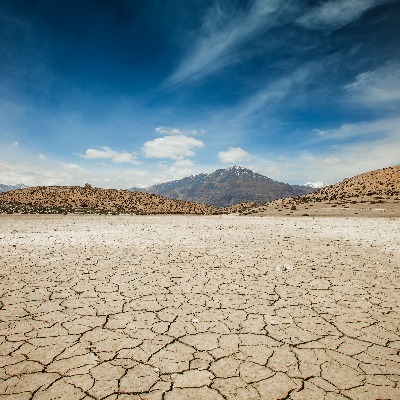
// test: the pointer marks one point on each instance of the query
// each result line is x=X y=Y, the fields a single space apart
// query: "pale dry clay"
x=176 y=307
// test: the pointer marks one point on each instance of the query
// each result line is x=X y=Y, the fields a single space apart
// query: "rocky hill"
x=9 y=188
x=88 y=200
x=374 y=192
x=226 y=187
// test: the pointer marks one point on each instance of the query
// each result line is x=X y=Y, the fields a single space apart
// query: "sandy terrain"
x=212 y=307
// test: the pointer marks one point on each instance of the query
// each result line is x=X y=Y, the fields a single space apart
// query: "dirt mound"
x=88 y=200
x=382 y=184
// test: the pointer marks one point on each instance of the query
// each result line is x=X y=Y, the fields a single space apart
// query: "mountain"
x=8 y=188
x=226 y=187
x=372 y=193
x=88 y=200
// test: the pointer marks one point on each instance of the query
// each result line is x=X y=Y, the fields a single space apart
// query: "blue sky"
x=131 y=93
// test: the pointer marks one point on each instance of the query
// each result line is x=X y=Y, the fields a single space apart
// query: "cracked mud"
x=219 y=307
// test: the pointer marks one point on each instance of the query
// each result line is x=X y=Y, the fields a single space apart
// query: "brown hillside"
x=72 y=199
x=375 y=185
x=372 y=193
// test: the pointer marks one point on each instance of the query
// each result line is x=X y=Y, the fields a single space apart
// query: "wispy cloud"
x=65 y=173
x=349 y=160
x=274 y=92
x=380 y=87
x=106 y=153
x=167 y=130
x=327 y=161
x=173 y=147
x=177 y=170
x=336 y=13
x=385 y=127
x=376 y=146
x=223 y=31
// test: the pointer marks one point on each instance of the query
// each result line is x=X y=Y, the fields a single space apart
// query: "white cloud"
x=173 y=147
x=178 y=170
x=170 y=172
x=42 y=157
x=106 y=153
x=380 y=87
x=234 y=155
x=183 y=163
x=129 y=178
x=223 y=31
x=72 y=167
x=166 y=130
x=329 y=161
x=336 y=13
x=270 y=170
x=137 y=173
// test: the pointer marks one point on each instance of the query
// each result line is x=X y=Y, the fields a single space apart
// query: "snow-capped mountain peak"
x=225 y=187
x=316 y=185
x=9 y=188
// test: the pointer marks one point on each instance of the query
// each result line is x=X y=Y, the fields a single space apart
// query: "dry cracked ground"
x=219 y=307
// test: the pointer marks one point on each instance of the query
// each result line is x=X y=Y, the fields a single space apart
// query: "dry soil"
x=211 y=307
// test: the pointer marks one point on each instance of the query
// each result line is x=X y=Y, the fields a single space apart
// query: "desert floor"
x=220 y=307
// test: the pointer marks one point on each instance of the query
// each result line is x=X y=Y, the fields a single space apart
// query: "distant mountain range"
x=375 y=191
x=226 y=187
x=221 y=188
x=8 y=188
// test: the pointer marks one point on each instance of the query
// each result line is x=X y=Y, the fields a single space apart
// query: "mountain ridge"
x=226 y=187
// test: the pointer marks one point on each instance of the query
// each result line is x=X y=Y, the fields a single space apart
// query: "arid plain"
x=199 y=307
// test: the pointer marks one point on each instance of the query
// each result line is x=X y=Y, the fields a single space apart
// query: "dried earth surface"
x=211 y=307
